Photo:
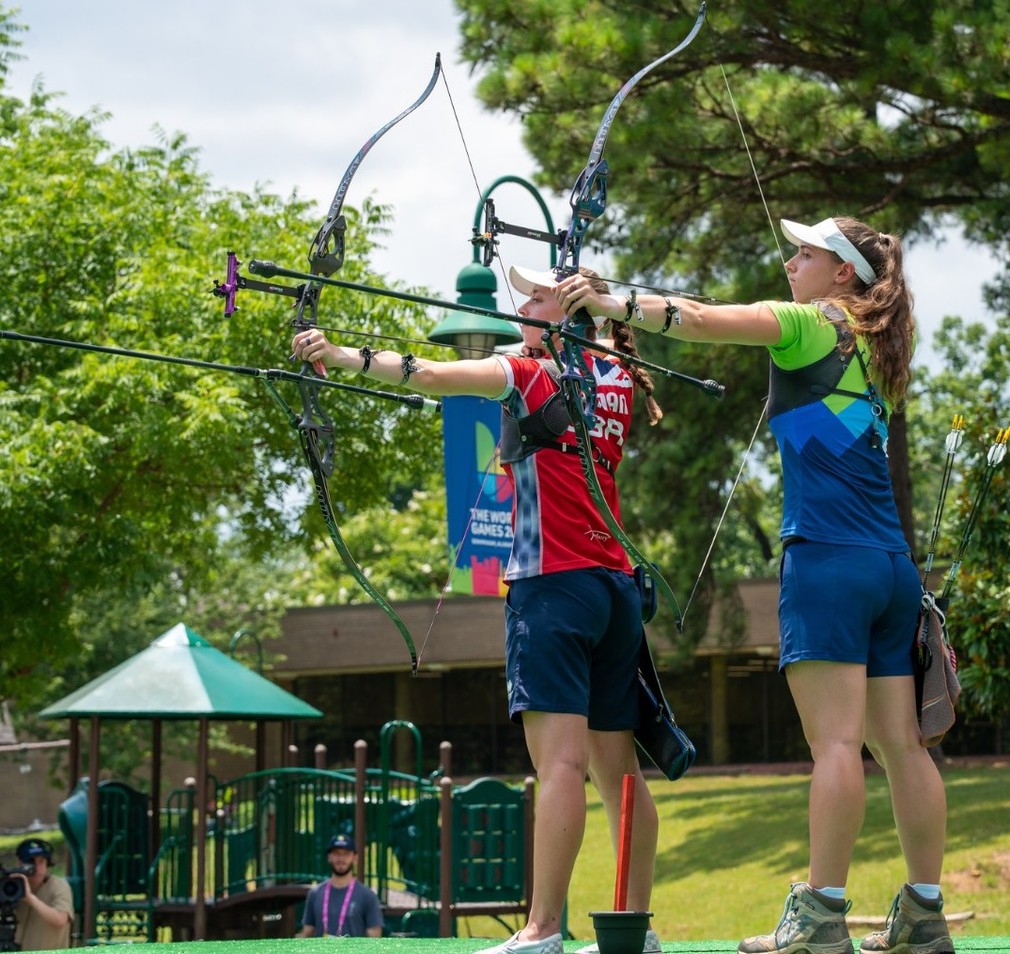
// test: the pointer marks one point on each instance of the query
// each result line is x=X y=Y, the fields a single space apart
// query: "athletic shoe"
x=811 y=923
x=547 y=945
x=651 y=945
x=914 y=926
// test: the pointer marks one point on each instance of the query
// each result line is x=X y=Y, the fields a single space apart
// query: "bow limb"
x=588 y=199
x=315 y=427
x=323 y=260
x=315 y=432
x=578 y=385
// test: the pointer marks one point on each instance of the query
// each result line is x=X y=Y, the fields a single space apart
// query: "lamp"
x=475 y=336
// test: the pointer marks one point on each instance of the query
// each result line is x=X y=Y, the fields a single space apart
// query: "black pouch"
x=646 y=592
x=664 y=742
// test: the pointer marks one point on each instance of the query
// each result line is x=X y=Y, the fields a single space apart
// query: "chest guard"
x=788 y=390
x=520 y=437
x=541 y=429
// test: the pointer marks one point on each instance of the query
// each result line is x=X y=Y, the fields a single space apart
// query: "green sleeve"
x=807 y=335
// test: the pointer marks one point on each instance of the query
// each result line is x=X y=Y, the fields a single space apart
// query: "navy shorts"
x=572 y=641
x=848 y=604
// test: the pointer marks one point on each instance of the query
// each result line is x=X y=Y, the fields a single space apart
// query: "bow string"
x=588 y=201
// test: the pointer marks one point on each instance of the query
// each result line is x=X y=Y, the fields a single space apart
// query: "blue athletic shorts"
x=571 y=645
x=848 y=604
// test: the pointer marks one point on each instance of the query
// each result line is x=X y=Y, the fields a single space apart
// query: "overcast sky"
x=284 y=94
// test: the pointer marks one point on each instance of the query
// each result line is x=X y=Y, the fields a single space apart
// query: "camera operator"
x=46 y=911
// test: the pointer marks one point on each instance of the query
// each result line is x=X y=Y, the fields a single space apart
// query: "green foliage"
x=125 y=477
x=975 y=384
x=135 y=487
x=893 y=113
x=896 y=111
x=677 y=476
x=730 y=846
x=402 y=549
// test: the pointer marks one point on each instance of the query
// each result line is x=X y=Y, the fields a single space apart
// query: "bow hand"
x=312 y=347
x=583 y=303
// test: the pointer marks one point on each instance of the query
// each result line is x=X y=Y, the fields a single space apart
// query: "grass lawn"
x=730 y=845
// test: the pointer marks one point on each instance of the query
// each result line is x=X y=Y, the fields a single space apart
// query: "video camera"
x=12 y=889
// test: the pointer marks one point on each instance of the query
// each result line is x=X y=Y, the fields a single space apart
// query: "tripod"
x=8 y=927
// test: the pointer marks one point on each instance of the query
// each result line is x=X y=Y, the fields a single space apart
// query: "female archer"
x=573 y=616
x=840 y=359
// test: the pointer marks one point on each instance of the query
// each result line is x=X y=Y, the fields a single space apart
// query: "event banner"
x=478 y=495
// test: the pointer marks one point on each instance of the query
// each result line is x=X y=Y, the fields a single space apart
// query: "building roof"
x=469 y=631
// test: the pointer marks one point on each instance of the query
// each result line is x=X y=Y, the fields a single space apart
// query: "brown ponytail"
x=882 y=310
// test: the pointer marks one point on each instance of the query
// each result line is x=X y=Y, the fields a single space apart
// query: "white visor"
x=524 y=280
x=827 y=235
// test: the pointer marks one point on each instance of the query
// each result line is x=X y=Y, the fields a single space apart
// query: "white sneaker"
x=651 y=945
x=547 y=945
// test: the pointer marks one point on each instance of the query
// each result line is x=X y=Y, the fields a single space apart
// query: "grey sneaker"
x=651 y=945
x=811 y=923
x=914 y=926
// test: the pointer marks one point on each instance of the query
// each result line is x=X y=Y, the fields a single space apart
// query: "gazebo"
x=179 y=676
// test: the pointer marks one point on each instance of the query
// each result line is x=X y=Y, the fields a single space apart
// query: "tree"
x=891 y=113
x=112 y=626
x=886 y=110
x=975 y=384
x=118 y=474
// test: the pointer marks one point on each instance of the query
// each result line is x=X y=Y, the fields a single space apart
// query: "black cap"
x=340 y=841
x=32 y=848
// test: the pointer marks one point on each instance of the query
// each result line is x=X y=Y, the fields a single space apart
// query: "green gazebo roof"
x=181 y=676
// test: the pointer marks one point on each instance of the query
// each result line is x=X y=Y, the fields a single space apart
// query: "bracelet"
x=631 y=305
x=367 y=354
x=672 y=316
x=407 y=366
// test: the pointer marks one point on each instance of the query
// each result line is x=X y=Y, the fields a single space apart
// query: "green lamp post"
x=477 y=335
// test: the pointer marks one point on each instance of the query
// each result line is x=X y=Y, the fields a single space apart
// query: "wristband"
x=367 y=354
x=407 y=367
x=631 y=305
x=672 y=316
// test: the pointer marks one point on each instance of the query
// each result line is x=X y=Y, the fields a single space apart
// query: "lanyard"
x=343 y=907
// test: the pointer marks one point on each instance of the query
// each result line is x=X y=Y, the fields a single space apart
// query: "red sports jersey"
x=556 y=524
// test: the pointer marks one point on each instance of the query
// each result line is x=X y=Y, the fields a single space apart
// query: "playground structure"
x=433 y=851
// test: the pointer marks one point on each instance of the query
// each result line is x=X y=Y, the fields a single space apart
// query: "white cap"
x=525 y=279
x=825 y=234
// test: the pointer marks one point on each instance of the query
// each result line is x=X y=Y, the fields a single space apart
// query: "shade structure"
x=181 y=676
